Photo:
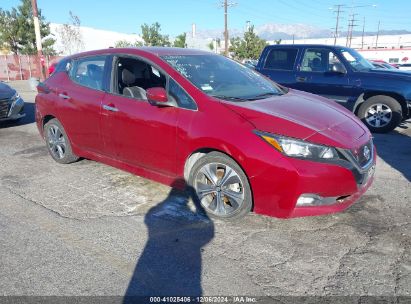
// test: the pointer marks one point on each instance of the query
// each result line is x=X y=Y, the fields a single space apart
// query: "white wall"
x=385 y=41
x=93 y=38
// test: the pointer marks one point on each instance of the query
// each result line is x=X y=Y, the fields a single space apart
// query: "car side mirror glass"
x=338 y=68
x=157 y=96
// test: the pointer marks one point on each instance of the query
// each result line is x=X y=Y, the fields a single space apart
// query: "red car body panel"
x=155 y=142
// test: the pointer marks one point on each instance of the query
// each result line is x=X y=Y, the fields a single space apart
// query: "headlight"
x=299 y=148
x=15 y=97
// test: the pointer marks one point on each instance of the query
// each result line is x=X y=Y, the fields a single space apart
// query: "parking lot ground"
x=89 y=229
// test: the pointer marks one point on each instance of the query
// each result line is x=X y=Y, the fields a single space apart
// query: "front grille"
x=4 y=108
x=360 y=161
x=363 y=154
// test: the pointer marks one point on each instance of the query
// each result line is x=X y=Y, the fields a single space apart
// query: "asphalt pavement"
x=87 y=229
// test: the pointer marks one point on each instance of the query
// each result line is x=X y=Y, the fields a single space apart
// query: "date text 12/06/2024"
x=204 y=299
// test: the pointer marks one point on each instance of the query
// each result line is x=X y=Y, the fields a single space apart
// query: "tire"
x=220 y=186
x=380 y=113
x=57 y=142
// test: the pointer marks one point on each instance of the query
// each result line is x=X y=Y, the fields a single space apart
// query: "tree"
x=70 y=35
x=126 y=43
x=248 y=47
x=17 y=30
x=180 y=41
x=278 y=41
x=9 y=31
x=152 y=36
x=214 y=44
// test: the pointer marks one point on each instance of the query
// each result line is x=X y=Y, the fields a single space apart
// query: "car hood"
x=306 y=116
x=6 y=91
x=390 y=73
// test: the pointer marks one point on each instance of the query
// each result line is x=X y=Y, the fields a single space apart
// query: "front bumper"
x=13 y=110
x=333 y=208
x=277 y=189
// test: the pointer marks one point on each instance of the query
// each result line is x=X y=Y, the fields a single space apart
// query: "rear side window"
x=89 y=72
x=62 y=66
x=281 y=59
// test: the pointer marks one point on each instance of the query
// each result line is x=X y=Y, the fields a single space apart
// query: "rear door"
x=80 y=93
x=315 y=75
x=279 y=63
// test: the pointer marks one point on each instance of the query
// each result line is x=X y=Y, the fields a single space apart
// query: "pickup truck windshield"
x=223 y=78
x=357 y=62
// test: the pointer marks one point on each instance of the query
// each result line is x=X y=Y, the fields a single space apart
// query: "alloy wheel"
x=56 y=142
x=219 y=189
x=378 y=115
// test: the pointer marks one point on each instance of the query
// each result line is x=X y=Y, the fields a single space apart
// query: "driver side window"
x=135 y=76
x=319 y=60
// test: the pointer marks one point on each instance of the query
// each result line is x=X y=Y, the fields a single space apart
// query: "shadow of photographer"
x=171 y=264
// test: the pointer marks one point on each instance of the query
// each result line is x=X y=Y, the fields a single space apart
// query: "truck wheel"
x=380 y=113
x=221 y=186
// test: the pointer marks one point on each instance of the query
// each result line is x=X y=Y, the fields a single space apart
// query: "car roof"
x=157 y=51
x=308 y=45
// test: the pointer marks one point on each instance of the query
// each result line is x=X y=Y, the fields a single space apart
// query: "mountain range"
x=273 y=31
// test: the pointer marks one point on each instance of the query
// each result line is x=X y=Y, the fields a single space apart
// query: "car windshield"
x=357 y=62
x=223 y=78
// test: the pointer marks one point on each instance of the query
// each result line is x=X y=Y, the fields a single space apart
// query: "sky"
x=176 y=16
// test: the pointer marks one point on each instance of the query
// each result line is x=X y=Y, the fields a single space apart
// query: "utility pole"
x=362 y=37
x=225 y=28
x=226 y=4
x=378 y=33
x=38 y=38
x=350 y=29
x=338 y=11
x=351 y=25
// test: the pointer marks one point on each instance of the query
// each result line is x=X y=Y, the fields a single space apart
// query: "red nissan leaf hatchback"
x=241 y=141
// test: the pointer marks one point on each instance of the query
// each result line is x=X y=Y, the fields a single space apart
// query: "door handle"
x=301 y=79
x=357 y=82
x=109 y=108
x=64 y=96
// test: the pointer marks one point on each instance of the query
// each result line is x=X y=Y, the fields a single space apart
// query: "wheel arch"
x=371 y=93
x=47 y=118
x=200 y=152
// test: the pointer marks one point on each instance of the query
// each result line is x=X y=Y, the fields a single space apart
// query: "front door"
x=134 y=131
x=316 y=75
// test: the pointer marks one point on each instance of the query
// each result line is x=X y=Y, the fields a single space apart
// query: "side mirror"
x=338 y=68
x=157 y=96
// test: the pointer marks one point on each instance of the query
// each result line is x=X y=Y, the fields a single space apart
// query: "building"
x=390 y=48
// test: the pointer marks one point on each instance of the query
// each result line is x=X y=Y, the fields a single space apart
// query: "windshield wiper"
x=229 y=97
x=264 y=95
